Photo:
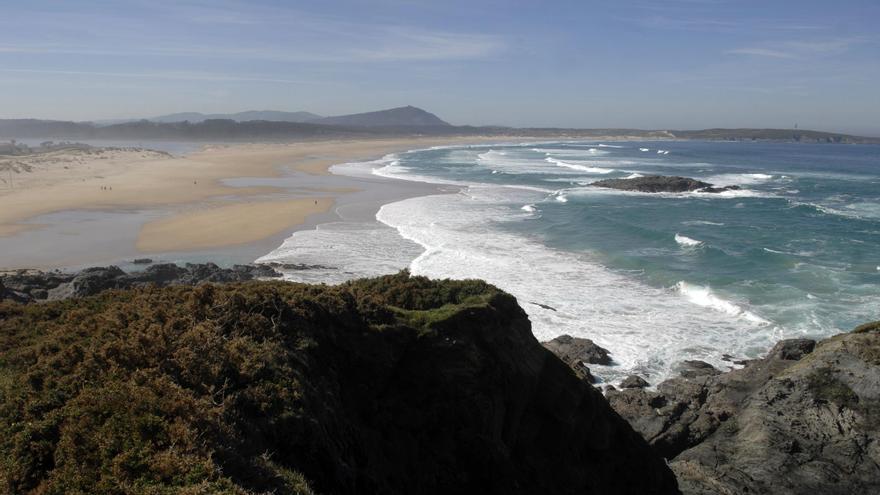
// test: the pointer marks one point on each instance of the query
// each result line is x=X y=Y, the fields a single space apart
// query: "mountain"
x=268 y=115
x=408 y=116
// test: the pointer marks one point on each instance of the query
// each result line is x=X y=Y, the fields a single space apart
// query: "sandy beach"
x=190 y=203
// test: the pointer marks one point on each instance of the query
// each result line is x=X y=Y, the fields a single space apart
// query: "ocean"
x=654 y=278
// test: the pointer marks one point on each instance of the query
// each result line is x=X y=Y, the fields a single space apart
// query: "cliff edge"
x=396 y=384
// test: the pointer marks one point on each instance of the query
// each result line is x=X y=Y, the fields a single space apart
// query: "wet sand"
x=233 y=202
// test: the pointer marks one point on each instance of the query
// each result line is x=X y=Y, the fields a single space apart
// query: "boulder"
x=695 y=368
x=792 y=349
x=576 y=350
x=94 y=280
x=634 y=381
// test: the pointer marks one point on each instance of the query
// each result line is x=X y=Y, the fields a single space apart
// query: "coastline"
x=232 y=203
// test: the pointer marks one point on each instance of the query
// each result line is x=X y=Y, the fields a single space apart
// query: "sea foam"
x=578 y=166
x=687 y=241
x=459 y=240
x=703 y=296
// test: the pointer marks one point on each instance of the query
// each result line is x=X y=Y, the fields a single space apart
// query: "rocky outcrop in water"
x=391 y=385
x=805 y=419
x=662 y=183
x=34 y=285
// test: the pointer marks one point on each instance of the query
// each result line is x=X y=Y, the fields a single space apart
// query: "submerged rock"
x=661 y=183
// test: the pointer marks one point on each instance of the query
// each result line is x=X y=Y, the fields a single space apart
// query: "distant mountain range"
x=394 y=117
x=403 y=121
x=269 y=115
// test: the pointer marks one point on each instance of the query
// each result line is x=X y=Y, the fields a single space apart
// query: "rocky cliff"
x=803 y=420
x=390 y=385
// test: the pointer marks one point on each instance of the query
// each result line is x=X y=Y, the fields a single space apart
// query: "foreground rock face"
x=805 y=419
x=661 y=183
x=32 y=285
x=389 y=385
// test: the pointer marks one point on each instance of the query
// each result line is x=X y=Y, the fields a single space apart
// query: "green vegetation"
x=215 y=389
x=868 y=328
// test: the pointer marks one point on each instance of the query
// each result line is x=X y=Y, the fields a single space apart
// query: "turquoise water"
x=655 y=278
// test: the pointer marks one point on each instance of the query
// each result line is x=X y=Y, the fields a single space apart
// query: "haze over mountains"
x=401 y=121
x=401 y=116
x=269 y=115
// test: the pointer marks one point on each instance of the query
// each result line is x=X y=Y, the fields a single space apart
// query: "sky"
x=670 y=64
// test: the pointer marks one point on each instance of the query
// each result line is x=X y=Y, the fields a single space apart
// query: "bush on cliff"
x=396 y=384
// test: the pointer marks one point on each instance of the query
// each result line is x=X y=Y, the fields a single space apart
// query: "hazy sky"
x=612 y=63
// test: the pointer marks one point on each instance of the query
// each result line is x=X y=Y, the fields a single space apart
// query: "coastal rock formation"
x=34 y=285
x=802 y=420
x=634 y=381
x=577 y=353
x=695 y=368
x=576 y=350
x=391 y=385
x=662 y=183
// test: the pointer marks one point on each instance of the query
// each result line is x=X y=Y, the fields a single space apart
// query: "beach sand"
x=212 y=226
x=191 y=207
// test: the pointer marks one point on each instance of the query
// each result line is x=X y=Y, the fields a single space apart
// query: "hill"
x=396 y=384
x=408 y=116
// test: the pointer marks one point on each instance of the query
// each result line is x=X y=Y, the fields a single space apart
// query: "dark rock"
x=610 y=388
x=161 y=274
x=654 y=184
x=257 y=271
x=634 y=381
x=142 y=261
x=575 y=351
x=91 y=281
x=793 y=349
x=693 y=369
x=29 y=285
x=295 y=266
x=13 y=295
x=719 y=189
x=551 y=308
x=661 y=183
